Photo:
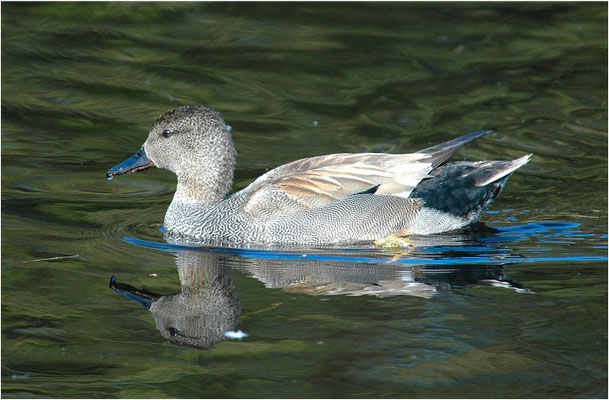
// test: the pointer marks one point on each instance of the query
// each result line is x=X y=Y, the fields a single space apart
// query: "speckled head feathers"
x=195 y=144
x=187 y=112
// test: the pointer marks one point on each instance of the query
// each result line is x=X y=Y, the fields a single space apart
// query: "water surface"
x=514 y=307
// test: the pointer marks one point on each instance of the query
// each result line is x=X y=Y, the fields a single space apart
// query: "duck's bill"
x=136 y=162
x=142 y=296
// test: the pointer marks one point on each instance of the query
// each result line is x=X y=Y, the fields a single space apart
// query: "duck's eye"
x=168 y=132
x=174 y=332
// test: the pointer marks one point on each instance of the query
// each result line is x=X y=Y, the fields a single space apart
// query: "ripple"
x=91 y=189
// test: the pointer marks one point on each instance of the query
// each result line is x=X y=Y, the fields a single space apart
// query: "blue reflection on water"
x=485 y=251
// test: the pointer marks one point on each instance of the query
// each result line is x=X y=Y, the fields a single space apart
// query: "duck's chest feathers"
x=214 y=221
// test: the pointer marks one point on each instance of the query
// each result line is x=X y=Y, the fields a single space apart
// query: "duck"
x=332 y=199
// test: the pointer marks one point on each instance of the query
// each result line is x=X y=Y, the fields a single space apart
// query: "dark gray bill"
x=142 y=296
x=136 y=162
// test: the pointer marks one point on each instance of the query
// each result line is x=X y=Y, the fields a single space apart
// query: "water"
x=516 y=307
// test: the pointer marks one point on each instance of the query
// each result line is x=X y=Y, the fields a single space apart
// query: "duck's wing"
x=441 y=152
x=319 y=181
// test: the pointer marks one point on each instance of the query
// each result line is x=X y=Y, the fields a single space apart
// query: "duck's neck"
x=202 y=189
x=203 y=182
x=194 y=195
x=204 y=273
x=208 y=181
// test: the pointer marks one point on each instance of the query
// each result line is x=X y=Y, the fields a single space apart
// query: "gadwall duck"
x=331 y=199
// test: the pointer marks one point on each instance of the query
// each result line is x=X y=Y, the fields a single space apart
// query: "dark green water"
x=514 y=309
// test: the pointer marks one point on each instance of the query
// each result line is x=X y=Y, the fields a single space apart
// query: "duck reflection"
x=208 y=304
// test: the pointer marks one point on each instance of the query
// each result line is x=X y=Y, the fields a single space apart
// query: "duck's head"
x=193 y=142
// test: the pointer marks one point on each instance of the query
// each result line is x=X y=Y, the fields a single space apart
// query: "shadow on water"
x=207 y=308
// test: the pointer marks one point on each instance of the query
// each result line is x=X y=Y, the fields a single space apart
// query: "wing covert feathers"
x=319 y=181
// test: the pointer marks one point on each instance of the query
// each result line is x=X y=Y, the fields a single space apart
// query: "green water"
x=515 y=308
